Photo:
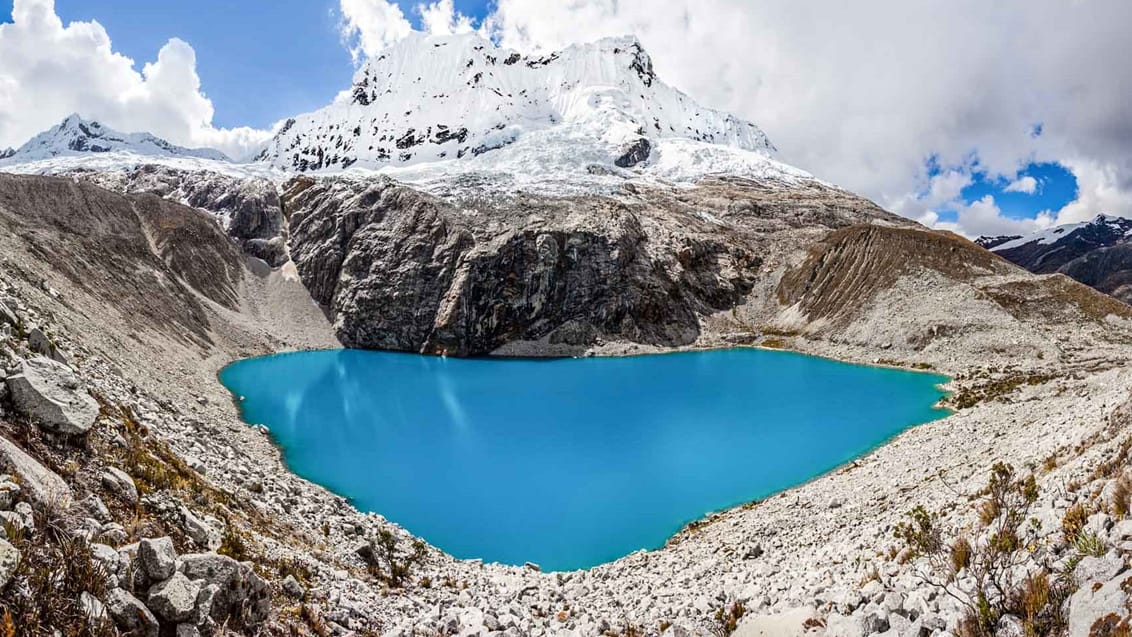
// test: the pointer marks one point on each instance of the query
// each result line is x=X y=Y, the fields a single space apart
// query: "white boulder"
x=49 y=392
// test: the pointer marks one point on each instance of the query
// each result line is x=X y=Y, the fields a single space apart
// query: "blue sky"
x=1054 y=187
x=259 y=60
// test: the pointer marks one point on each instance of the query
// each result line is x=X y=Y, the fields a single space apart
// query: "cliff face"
x=400 y=269
x=246 y=207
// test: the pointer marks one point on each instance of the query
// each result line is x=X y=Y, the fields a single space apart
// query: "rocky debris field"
x=1041 y=385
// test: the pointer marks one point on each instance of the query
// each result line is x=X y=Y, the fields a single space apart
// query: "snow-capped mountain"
x=1048 y=250
x=429 y=98
x=75 y=136
x=1097 y=253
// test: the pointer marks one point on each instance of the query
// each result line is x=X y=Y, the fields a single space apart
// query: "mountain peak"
x=458 y=97
x=76 y=135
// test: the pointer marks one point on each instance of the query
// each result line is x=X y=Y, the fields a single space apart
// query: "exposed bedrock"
x=247 y=208
x=1106 y=269
x=403 y=270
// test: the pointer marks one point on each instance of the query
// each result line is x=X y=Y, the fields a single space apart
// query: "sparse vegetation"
x=984 y=576
x=972 y=394
x=233 y=545
x=727 y=618
x=1073 y=522
x=1122 y=496
x=388 y=562
x=55 y=568
x=1110 y=467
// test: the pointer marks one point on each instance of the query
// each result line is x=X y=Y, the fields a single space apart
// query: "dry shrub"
x=55 y=568
x=960 y=554
x=994 y=566
x=727 y=619
x=1073 y=522
x=1121 y=496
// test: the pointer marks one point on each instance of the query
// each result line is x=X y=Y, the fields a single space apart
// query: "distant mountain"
x=75 y=136
x=1047 y=251
x=431 y=98
x=993 y=242
x=1097 y=253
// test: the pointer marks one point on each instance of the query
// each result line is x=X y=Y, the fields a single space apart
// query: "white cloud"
x=984 y=218
x=368 y=26
x=1100 y=189
x=441 y=18
x=50 y=71
x=863 y=93
x=1027 y=185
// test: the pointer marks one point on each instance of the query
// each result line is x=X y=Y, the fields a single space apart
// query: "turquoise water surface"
x=569 y=463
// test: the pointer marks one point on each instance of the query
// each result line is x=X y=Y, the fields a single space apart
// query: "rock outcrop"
x=169 y=256
x=400 y=269
x=1108 y=269
x=49 y=393
x=37 y=482
x=248 y=208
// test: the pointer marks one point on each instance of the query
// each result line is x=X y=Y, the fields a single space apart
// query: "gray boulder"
x=1010 y=626
x=130 y=614
x=292 y=587
x=158 y=558
x=96 y=508
x=200 y=531
x=7 y=315
x=9 y=494
x=9 y=560
x=37 y=482
x=107 y=557
x=120 y=484
x=1098 y=569
x=130 y=572
x=174 y=599
x=239 y=588
x=49 y=392
x=93 y=608
x=39 y=343
x=1092 y=605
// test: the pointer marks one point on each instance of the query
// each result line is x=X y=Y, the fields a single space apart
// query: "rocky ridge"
x=1097 y=253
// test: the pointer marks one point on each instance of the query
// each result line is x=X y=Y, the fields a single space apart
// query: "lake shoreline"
x=723 y=373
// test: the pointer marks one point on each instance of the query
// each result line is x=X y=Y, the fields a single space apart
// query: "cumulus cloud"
x=1026 y=185
x=1102 y=187
x=51 y=70
x=863 y=94
x=441 y=18
x=368 y=26
x=984 y=218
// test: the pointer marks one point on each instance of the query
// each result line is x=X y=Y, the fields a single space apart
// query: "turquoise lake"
x=569 y=463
